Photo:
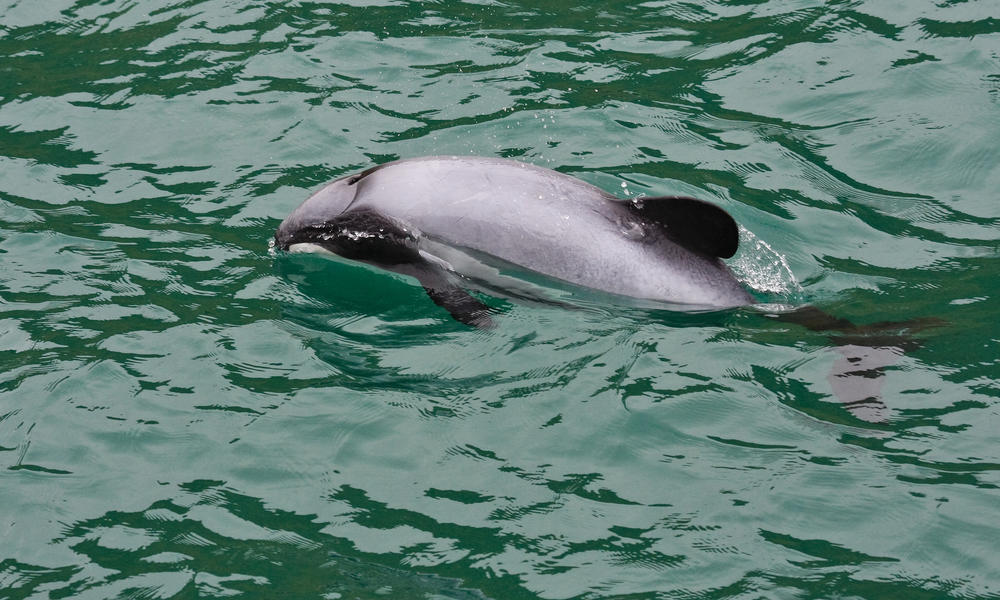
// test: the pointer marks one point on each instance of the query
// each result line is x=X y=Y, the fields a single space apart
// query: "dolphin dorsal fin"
x=695 y=224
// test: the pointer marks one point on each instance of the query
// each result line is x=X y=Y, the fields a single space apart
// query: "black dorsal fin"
x=695 y=224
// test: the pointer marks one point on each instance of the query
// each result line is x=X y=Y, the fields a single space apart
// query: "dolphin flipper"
x=438 y=284
x=369 y=236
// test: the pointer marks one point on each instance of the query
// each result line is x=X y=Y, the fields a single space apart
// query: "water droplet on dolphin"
x=632 y=229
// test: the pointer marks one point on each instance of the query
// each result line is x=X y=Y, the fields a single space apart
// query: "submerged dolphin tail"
x=891 y=332
x=866 y=351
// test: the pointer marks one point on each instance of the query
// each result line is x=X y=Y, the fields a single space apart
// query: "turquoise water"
x=185 y=414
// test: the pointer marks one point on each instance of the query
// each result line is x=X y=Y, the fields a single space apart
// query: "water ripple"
x=183 y=412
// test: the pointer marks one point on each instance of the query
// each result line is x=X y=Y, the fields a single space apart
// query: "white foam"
x=762 y=268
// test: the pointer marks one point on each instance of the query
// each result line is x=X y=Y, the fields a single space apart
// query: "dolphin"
x=410 y=216
x=428 y=217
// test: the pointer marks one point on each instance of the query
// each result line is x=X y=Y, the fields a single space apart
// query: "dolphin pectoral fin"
x=463 y=307
x=695 y=224
x=444 y=292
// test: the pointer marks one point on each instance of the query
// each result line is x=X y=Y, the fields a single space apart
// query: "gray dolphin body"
x=402 y=216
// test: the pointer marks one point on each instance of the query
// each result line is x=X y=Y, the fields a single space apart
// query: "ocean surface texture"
x=186 y=413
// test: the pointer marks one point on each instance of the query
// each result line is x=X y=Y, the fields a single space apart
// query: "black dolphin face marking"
x=365 y=235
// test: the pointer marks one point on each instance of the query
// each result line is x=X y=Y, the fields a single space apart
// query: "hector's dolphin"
x=405 y=216
x=423 y=216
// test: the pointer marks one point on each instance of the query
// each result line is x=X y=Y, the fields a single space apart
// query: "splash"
x=763 y=269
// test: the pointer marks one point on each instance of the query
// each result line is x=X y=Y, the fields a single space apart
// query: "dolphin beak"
x=290 y=232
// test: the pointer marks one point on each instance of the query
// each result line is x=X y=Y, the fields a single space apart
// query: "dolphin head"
x=307 y=223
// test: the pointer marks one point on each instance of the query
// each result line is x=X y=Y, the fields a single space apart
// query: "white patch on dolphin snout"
x=309 y=247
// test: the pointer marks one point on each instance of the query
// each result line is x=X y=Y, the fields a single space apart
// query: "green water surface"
x=185 y=414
